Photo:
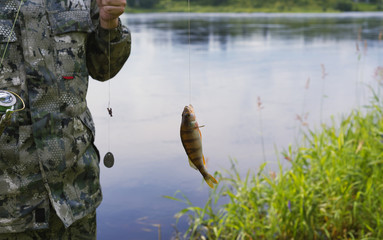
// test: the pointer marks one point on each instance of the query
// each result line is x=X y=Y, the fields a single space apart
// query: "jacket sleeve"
x=99 y=42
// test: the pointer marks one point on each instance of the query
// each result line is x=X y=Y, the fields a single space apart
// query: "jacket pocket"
x=70 y=21
x=87 y=119
x=69 y=31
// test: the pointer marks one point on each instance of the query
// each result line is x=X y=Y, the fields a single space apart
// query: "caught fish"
x=192 y=141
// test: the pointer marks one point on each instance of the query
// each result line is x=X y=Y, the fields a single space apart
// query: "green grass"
x=333 y=189
x=179 y=7
x=364 y=7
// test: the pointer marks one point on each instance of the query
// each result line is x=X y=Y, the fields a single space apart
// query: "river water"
x=251 y=77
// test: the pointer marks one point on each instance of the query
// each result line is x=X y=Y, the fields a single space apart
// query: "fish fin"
x=203 y=159
x=192 y=165
x=210 y=180
x=196 y=126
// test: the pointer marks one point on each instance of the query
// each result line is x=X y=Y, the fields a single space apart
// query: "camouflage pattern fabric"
x=47 y=155
x=83 y=229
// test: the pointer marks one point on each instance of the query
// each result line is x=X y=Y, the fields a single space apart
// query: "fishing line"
x=109 y=108
x=110 y=115
x=190 y=83
x=109 y=158
x=9 y=36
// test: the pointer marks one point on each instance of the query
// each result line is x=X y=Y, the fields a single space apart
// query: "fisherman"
x=49 y=166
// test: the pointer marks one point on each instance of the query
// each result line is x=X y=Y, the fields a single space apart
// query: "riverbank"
x=276 y=8
x=331 y=190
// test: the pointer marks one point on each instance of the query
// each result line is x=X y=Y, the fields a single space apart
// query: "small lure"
x=110 y=111
x=191 y=138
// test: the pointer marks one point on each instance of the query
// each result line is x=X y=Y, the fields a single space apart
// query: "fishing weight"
x=108 y=160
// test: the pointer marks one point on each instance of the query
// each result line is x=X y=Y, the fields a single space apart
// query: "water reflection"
x=308 y=27
x=235 y=58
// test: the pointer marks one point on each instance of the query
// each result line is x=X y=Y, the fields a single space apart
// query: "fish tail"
x=210 y=180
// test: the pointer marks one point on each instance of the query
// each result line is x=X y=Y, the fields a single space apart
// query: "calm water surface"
x=234 y=59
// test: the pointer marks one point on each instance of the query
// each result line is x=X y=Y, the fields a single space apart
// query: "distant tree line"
x=142 y=3
x=342 y=5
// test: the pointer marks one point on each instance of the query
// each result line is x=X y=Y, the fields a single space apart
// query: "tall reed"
x=260 y=107
x=323 y=96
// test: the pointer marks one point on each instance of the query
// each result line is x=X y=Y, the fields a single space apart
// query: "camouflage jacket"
x=47 y=156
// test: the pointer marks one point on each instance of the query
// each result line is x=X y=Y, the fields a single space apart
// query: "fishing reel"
x=8 y=102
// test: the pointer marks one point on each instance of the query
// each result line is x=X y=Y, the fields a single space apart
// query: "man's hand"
x=110 y=10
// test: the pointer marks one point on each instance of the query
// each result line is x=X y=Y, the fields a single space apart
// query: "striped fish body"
x=192 y=142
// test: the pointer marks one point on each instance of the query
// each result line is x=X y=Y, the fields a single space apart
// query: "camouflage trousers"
x=83 y=229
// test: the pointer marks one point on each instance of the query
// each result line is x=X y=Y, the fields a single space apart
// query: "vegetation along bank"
x=253 y=5
x=331 y=190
